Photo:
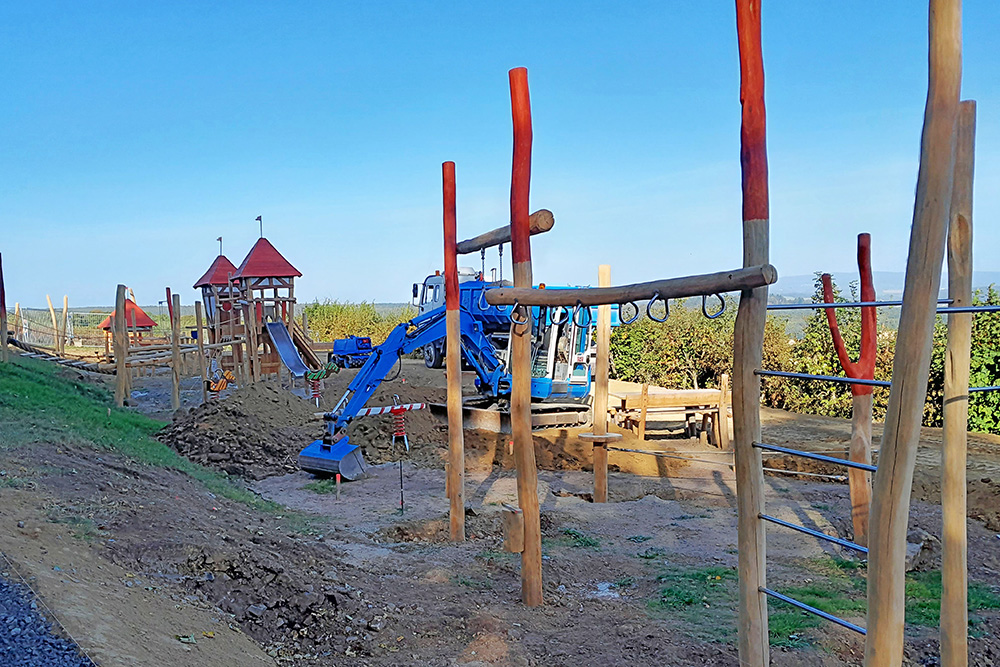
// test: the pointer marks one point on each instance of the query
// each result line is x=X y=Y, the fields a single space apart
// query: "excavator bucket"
x=341 y=457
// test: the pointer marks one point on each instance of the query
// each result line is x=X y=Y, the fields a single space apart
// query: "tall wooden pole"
x=175 y=352
x=4 y=352
x=891 y=499
x=954 y=562
x=202 y=361
x=55 y=325
x=748 y=344
x=120 y=335
x=601 y=371
x=453 y=360
x=65 y=324
x=520 y=344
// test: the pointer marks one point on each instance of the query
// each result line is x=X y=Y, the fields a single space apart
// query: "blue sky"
x=134 y=134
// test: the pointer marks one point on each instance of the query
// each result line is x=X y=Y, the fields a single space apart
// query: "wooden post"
x=723 y=441
x=643 y=409
x=520 y=342
x=897 y=454
x=202 y=361
x=954 y=563
x=601 y=389
x=65 y=324
x=860 y=450
x=120 y=347
x=55 y=325
x=748 y=344
x=305 y=323
x=453 y=361
x=4 y=352
x=175 y=353
x=18 y=324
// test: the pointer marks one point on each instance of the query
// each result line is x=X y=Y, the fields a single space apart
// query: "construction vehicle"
x=563 y=350
x=351 y=352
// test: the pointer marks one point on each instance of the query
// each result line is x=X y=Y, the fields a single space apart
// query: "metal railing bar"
x=845 y=304
x=824 y=378
x=815 y=533
x=817 y=457
x=813 y=610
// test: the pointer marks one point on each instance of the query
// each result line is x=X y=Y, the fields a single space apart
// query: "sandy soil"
x=145 y=555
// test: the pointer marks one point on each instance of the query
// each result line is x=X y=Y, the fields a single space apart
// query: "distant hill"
x=888 y=284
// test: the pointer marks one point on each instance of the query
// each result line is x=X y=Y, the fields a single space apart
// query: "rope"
x=51 y=613
x=840 y=478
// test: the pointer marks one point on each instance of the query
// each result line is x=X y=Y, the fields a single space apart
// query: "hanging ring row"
x=582 y=317
x=513 y=317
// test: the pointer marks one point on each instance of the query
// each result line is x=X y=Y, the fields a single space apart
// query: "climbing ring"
x=649 y=308
x=621 y=309
x=513 y=310
x=704 y=306
x=580 y=308
x=565 y=315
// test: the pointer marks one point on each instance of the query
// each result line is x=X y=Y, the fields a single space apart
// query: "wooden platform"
x=630 y=409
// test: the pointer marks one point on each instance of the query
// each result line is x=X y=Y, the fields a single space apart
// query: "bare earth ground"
x=131 y=557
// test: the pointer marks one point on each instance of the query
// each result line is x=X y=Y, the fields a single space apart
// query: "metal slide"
x=286 y=348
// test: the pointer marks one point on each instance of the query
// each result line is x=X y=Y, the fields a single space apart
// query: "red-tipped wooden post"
x=860 y=450
x=748 y=343
x=4 y=353
x=954 y=538
x=897 y=455
x=453 y=361
x=520 y=345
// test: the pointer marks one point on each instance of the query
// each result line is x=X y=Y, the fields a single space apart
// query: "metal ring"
x=565 y=318
x=482 y=299
x=621 y=307
x=513 y=309
x=704 y=306
x=649 y=308
x=576 y=317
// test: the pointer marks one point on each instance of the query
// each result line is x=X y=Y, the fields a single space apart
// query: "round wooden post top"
x=600 y=438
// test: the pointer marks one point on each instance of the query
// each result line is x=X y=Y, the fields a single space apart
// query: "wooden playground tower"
x=260 y=290
x=942 y=210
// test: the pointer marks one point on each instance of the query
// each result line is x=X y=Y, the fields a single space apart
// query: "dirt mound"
x=261 y=428
x=983 y=500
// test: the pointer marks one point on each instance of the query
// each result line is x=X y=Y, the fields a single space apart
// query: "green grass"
x=322 y=486
x=39 y=403
x=923 y=598
x=581 y=539
x=475 y=584
x=704 y=599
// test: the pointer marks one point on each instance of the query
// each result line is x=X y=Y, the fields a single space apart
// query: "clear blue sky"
x=134 y=134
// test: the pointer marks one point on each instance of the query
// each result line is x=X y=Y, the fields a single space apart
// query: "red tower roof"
x=263 y=261
x=217 y=274
x=142 y=320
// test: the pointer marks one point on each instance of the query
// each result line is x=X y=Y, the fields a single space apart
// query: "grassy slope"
x=39 y=403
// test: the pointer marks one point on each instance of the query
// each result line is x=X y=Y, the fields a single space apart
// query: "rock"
x=923 y=551
x=256 y=610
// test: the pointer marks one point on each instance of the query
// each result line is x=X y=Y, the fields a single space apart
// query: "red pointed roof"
x=217 y=274
x=263 y=261
x=142 y=320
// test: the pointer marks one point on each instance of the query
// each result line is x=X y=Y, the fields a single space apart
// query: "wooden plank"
x=202 y=360
x=601 y=371
x=55 y=326
x=672 y=288
x=4 y=350
x=540 y=222
x=671 y=398
x=748 y=345
x=513 y=529
x=120 y=347
x=723 y=419
x=520 y=343
x=175 y=353
x=954 y=554
x=897 y=452
x=643 y=411
x=455 y=483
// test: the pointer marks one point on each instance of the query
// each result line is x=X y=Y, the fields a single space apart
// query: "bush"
x=331 y=320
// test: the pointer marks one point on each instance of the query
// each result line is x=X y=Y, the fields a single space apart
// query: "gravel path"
x=26 y=638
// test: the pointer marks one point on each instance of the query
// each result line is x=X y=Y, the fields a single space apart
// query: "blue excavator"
x=563 y=352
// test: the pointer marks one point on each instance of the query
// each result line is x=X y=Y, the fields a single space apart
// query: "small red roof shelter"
x=217 y=274
x=264 y=261
x=142 y=320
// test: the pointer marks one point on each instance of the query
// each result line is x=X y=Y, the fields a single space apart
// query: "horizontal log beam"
x=541 y=221
x=672 y=288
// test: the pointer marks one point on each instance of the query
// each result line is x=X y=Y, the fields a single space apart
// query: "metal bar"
x=817 y=457
x=970 y=309
x=972 y=389
x=824 y=378
x=815 y=533
x=845 y=304
x=813 y=610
